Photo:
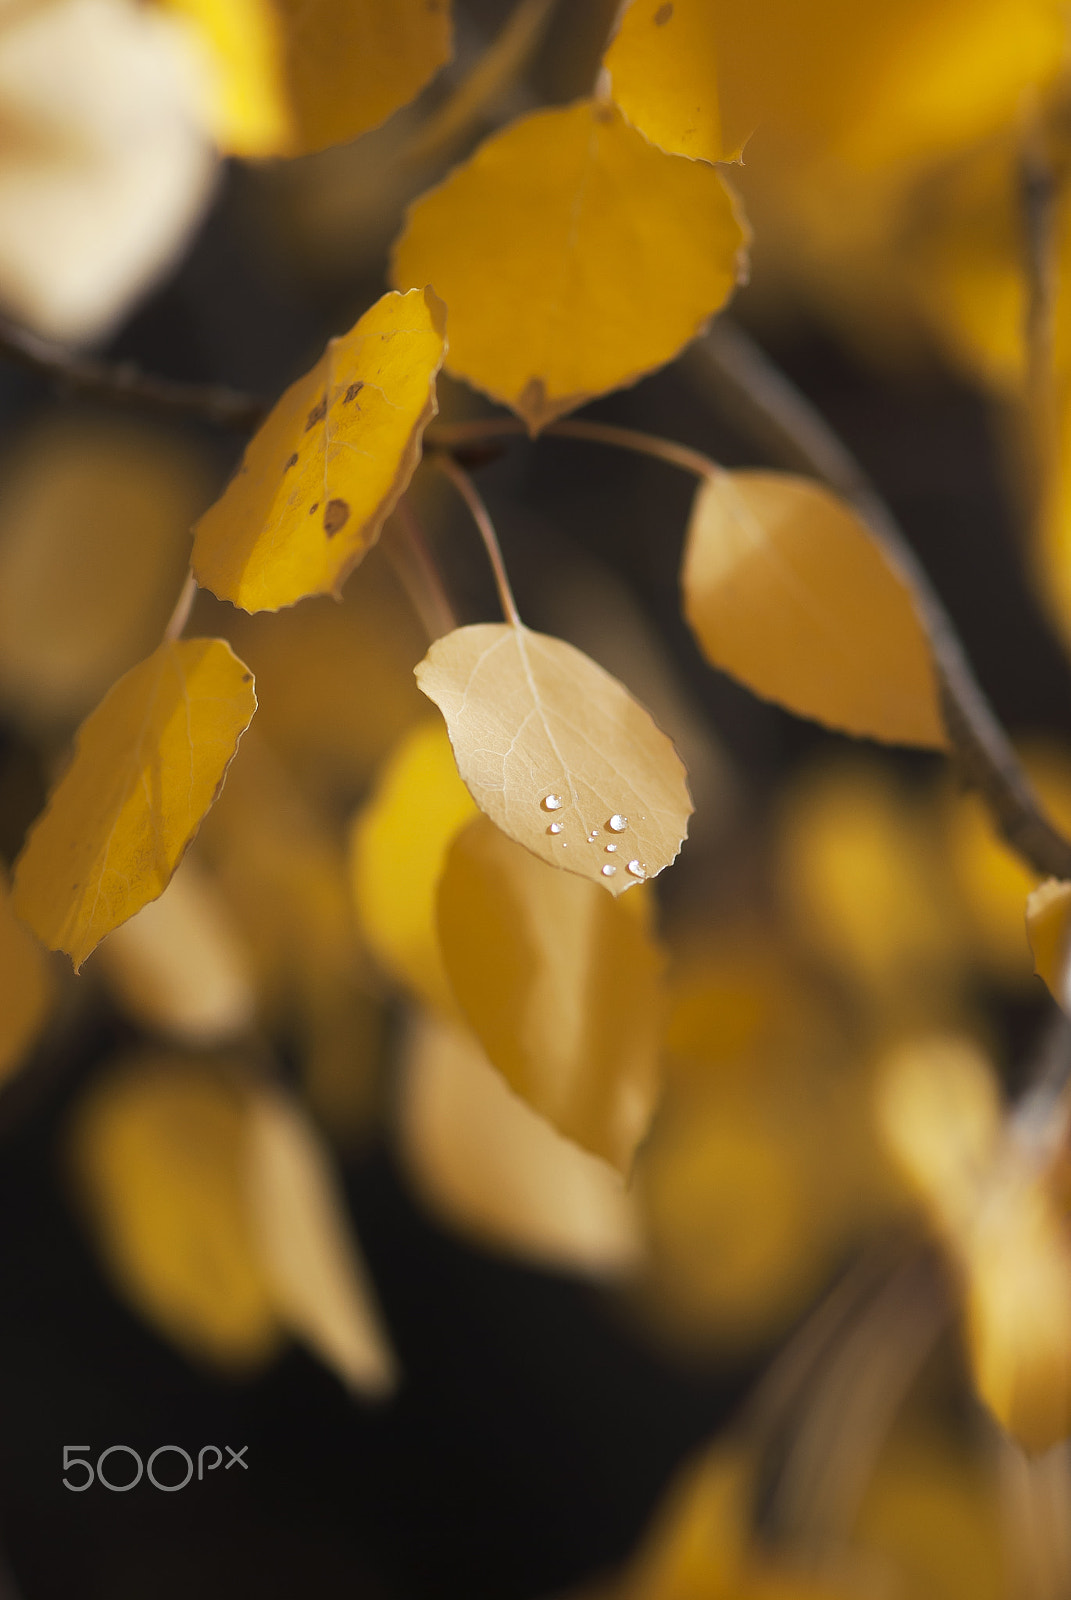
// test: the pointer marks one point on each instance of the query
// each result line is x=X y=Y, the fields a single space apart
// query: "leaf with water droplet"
x=663 y=64
x=787 y=590
x=149 y=762
x=327 y=467
x=574 y=257
x=530 y=715
x=561 y=984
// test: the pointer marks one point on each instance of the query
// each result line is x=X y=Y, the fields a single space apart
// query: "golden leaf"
x=351 y=63
x=663 y=65
x=149 y=762
x=785 y=589
x=25 y=986
x=318 y=1282
x=157 y=1148
x=558 y=754
x=574 y=257
x=242 y=41
x=325 y=470
x=397 y=848
x=494 y=1168
x=561 y=986
x=1047 y=910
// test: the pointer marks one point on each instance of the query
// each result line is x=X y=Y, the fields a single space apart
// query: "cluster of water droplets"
x=615 y=824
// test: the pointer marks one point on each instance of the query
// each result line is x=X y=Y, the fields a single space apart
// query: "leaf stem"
x=480 y=515
x=407 y=550
x=183 y=606
x=455 y=435
x=766 y=400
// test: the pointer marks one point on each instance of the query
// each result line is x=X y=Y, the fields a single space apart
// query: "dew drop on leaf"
x=552 y=802
x=555 y=827
x=617 y=823
x=608 y=871
x=637 y=869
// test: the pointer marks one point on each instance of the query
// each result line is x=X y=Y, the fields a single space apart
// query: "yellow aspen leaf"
x=561 y=985
x=663 y=64
x=491 y=1166
x=157 y=1151
x=1048 y=908
x=242 y=41
x=574 y=257
x=785 y=588
x=25 y=986
x=148 y=763
x=180 y=965
x=351 y=63
x=397 y=848
x=558 y=754
x=327 y=467
x=318 y=1282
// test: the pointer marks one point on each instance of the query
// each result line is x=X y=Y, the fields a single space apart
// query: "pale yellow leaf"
x=561 y=985
x=351 y=63
x=397 y=848
x=574 y=257
x=105 y=166
x=243 y=45
x=180 y=965
x=26 y=987
x=785 y=588
x=325 y=470
x=157 y=1151
x=558 y=754
x=149 y=762
x=95 y=514
x=318 y=1281
x=494 y=1168
x=664 y=65
x=1048 y=909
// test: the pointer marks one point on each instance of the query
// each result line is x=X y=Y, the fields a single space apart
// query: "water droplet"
x=608 y=871
x=617 y=823
x=555 y=827
x=551 y=802
x=637 y=869
x=593 y=835
x=610 y=848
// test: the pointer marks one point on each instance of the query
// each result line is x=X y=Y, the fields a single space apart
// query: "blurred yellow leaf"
x=180 y=965
x=992 y=1198
x=351 y=63
x=325 y=470
x=243 y=42
x=149 y=762
x=1047 y=910
x=786 y=589
x=574 y=257
x=493 y=1167
x=105 y=166
x=561 y=985
x=663 y=65
x=25 y=986
x=558 y=754
x=318 y=1283
x=157 y=1148
x=398 y=845
x=95 y=514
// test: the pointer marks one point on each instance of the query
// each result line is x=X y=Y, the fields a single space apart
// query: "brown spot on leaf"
x=317 y=414
x=351 y=393
x=291 y=462
x=663 y=14
x=247 y=677
x=336 y=515
x=314 y=507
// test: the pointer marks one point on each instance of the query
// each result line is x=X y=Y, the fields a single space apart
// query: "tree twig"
x=772 y=408
x=125 y=384
x=407 y=550
x=480 y=515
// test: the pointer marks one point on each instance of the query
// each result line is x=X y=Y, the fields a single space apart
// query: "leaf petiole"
x=480 y=515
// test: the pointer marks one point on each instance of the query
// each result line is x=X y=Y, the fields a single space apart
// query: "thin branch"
x=407 y=550
x=124 y=384
x=456 y=435
x=774 y=409
x=470 y=494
